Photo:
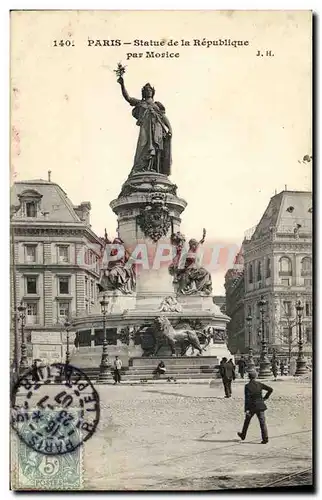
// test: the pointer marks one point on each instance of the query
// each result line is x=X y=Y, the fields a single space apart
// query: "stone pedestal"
x=148 y=212
x=220 y=350
x=117 y=302
x=47 y=346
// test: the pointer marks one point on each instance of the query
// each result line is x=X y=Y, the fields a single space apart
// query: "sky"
x=241 y=122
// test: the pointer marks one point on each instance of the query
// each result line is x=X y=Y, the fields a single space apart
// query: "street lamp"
x=264 y=363
x=104 y=366
x=301 y=361
x=23 y=348
x=250 y=363
x=67 y=356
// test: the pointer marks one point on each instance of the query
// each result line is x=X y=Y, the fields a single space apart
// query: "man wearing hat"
x=254 y=404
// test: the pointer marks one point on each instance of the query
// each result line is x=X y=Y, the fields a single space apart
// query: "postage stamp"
x=31 y=470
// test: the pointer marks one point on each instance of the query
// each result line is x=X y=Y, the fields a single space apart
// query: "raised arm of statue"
x=203 y=236
x=131 y=100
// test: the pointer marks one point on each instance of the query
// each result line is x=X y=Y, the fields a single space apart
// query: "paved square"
x=180 y=436
x=183 y=436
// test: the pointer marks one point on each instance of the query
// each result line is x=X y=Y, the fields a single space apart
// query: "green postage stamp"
x=31 y=470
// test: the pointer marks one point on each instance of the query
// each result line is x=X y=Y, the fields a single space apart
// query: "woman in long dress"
x=190 y=276
x=153 y=151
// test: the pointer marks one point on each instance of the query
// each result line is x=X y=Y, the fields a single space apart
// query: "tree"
x=286 y=324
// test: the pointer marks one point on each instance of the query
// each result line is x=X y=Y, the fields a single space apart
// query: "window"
x=250 y=273
x=285 y=282
x=308 y=333
x=285 y=267
x=92 y=290
x=86 y=286
x=31 y=283
x=63 y=253
x=64 y=285
x=31 y=313
x=268 y=268
x=31 y=209
x=30 y=253
x=286 y=335
x=308 y=309
x=258 y=311
x=307 y=282
x=63 y=310
x=259 y=271
x=287 y=306
x=306 y=266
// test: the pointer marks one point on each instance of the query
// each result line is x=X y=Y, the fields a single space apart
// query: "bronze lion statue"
x=164 y=333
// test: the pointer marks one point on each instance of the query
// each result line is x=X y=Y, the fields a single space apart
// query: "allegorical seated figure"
x=118 y=275
x=190 y=277
x=153 y=151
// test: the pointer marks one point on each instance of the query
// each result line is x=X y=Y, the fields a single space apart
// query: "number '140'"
x=64 y=43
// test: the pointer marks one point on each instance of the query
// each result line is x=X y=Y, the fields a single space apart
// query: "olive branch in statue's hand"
x=120 y=70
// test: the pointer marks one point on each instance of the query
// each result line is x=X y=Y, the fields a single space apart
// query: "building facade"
x=278 y=266
x=220 y=301
x=56 y=263
x=235 y=294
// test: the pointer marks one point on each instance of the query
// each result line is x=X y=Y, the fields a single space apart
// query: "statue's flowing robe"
x=153 y=142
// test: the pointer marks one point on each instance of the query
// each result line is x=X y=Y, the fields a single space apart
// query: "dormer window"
x=31 y=209
x=30 y=203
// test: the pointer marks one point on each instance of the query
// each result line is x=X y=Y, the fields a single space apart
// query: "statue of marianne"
x=153 y=151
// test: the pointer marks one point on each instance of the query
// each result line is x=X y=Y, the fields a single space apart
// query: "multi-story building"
x=234 y=304
x=56 y=262
x=220 y=301
x=278 y=265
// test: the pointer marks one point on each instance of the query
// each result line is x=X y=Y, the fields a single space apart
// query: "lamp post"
x=23 y=348
x=264 y=363
x=104 y=366
x=67 y=356
x=301 y=361
x=250 y=363
x=13 y=210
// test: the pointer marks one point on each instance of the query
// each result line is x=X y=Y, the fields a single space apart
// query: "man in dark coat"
x=227 y=373
x=254 y=404
x=241 y=366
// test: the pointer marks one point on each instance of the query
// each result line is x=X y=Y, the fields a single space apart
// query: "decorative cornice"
x=22 y=228
x=63 y=268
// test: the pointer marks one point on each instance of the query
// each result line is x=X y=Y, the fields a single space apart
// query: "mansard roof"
x=54 y=201
x=286 y=211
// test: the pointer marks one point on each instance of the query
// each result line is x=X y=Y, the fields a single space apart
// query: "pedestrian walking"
x=34 y=372
x=241 y=366
x=227 y=373
x=282 y=367
x=274 y=368
x=255 y=405
x=117 y=370
x=68 y=373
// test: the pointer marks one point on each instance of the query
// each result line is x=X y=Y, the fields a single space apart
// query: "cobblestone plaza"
x=183 y=436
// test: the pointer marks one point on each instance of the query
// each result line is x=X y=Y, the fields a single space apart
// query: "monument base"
x=185 y=367
x=219 y=350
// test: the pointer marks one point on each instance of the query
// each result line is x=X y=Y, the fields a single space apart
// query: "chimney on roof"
x=275 y=191
x=49 y=175
x=285 y=187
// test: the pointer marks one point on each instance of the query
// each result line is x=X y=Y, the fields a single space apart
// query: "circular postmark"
x=55 y=411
